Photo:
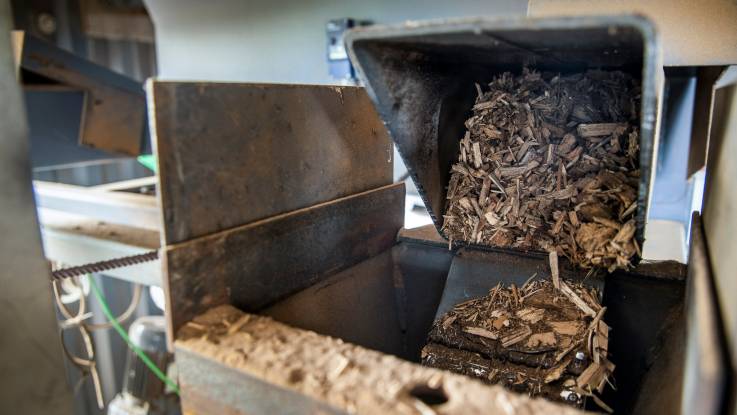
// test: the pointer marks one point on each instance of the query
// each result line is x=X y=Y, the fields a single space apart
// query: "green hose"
x=121 y=331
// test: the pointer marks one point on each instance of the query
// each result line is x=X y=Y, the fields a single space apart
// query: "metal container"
x=421 y=78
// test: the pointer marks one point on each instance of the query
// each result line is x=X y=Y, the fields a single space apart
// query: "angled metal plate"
x=357 y=305
x=474 y=272
x=230 y=154
x=707 y=367
x=385 y=303
x=255 y=265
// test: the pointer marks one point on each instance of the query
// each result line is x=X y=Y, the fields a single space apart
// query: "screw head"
x=46 y=24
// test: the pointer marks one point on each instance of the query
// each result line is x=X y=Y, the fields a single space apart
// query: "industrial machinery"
x=276 y=232
x=281 y=232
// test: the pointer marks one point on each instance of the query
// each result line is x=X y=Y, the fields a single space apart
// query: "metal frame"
x=113 y=106
x=80 y=225
x=116 y=207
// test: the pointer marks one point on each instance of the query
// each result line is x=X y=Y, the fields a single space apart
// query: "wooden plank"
x=230 y=154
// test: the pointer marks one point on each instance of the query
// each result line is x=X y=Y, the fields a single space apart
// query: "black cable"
x=104 y=265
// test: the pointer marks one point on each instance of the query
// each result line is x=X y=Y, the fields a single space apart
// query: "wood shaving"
x=551 y=163
x=528 y=339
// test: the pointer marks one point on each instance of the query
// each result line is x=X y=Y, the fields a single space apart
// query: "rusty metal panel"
x=358 y=305
x=114 y=105
x=385 y=303
x=254 y=265
x=230 y=153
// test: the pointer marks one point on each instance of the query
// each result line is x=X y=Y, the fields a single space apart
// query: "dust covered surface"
x=551 y=163
x=343 y=375
x=538 y=339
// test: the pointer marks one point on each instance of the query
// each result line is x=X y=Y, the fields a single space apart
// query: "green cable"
x=137 y=350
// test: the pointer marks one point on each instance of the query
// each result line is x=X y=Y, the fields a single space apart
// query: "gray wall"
x=32 y=377
x=278 y=40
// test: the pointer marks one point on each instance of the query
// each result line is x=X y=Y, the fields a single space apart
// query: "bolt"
x=46 y=24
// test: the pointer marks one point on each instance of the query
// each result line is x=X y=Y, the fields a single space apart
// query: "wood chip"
x=563 y=353
x=541 y=339
x=565 y=328
x=566 y=290
x=529 y=334
x=595 y=322
x=557 y=371
x=562 y=194
x=531 y=315
x=592 y=375
x=534 y=147
x=516 y=337
x=478 y=331
x=239 y=323
x=448 y=321
x=553 y=257
x=477 y=155
x=598 y=130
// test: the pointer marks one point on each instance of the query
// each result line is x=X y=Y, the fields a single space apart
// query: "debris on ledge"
x=332 y=372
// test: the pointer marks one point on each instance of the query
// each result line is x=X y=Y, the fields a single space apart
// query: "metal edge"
x=208 y=388
x=122 y=208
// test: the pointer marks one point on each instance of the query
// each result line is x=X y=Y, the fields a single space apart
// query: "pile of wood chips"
x=546 y=339
x=551 y=164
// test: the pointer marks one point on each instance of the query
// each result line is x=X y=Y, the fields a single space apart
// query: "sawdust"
x=345 y=376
